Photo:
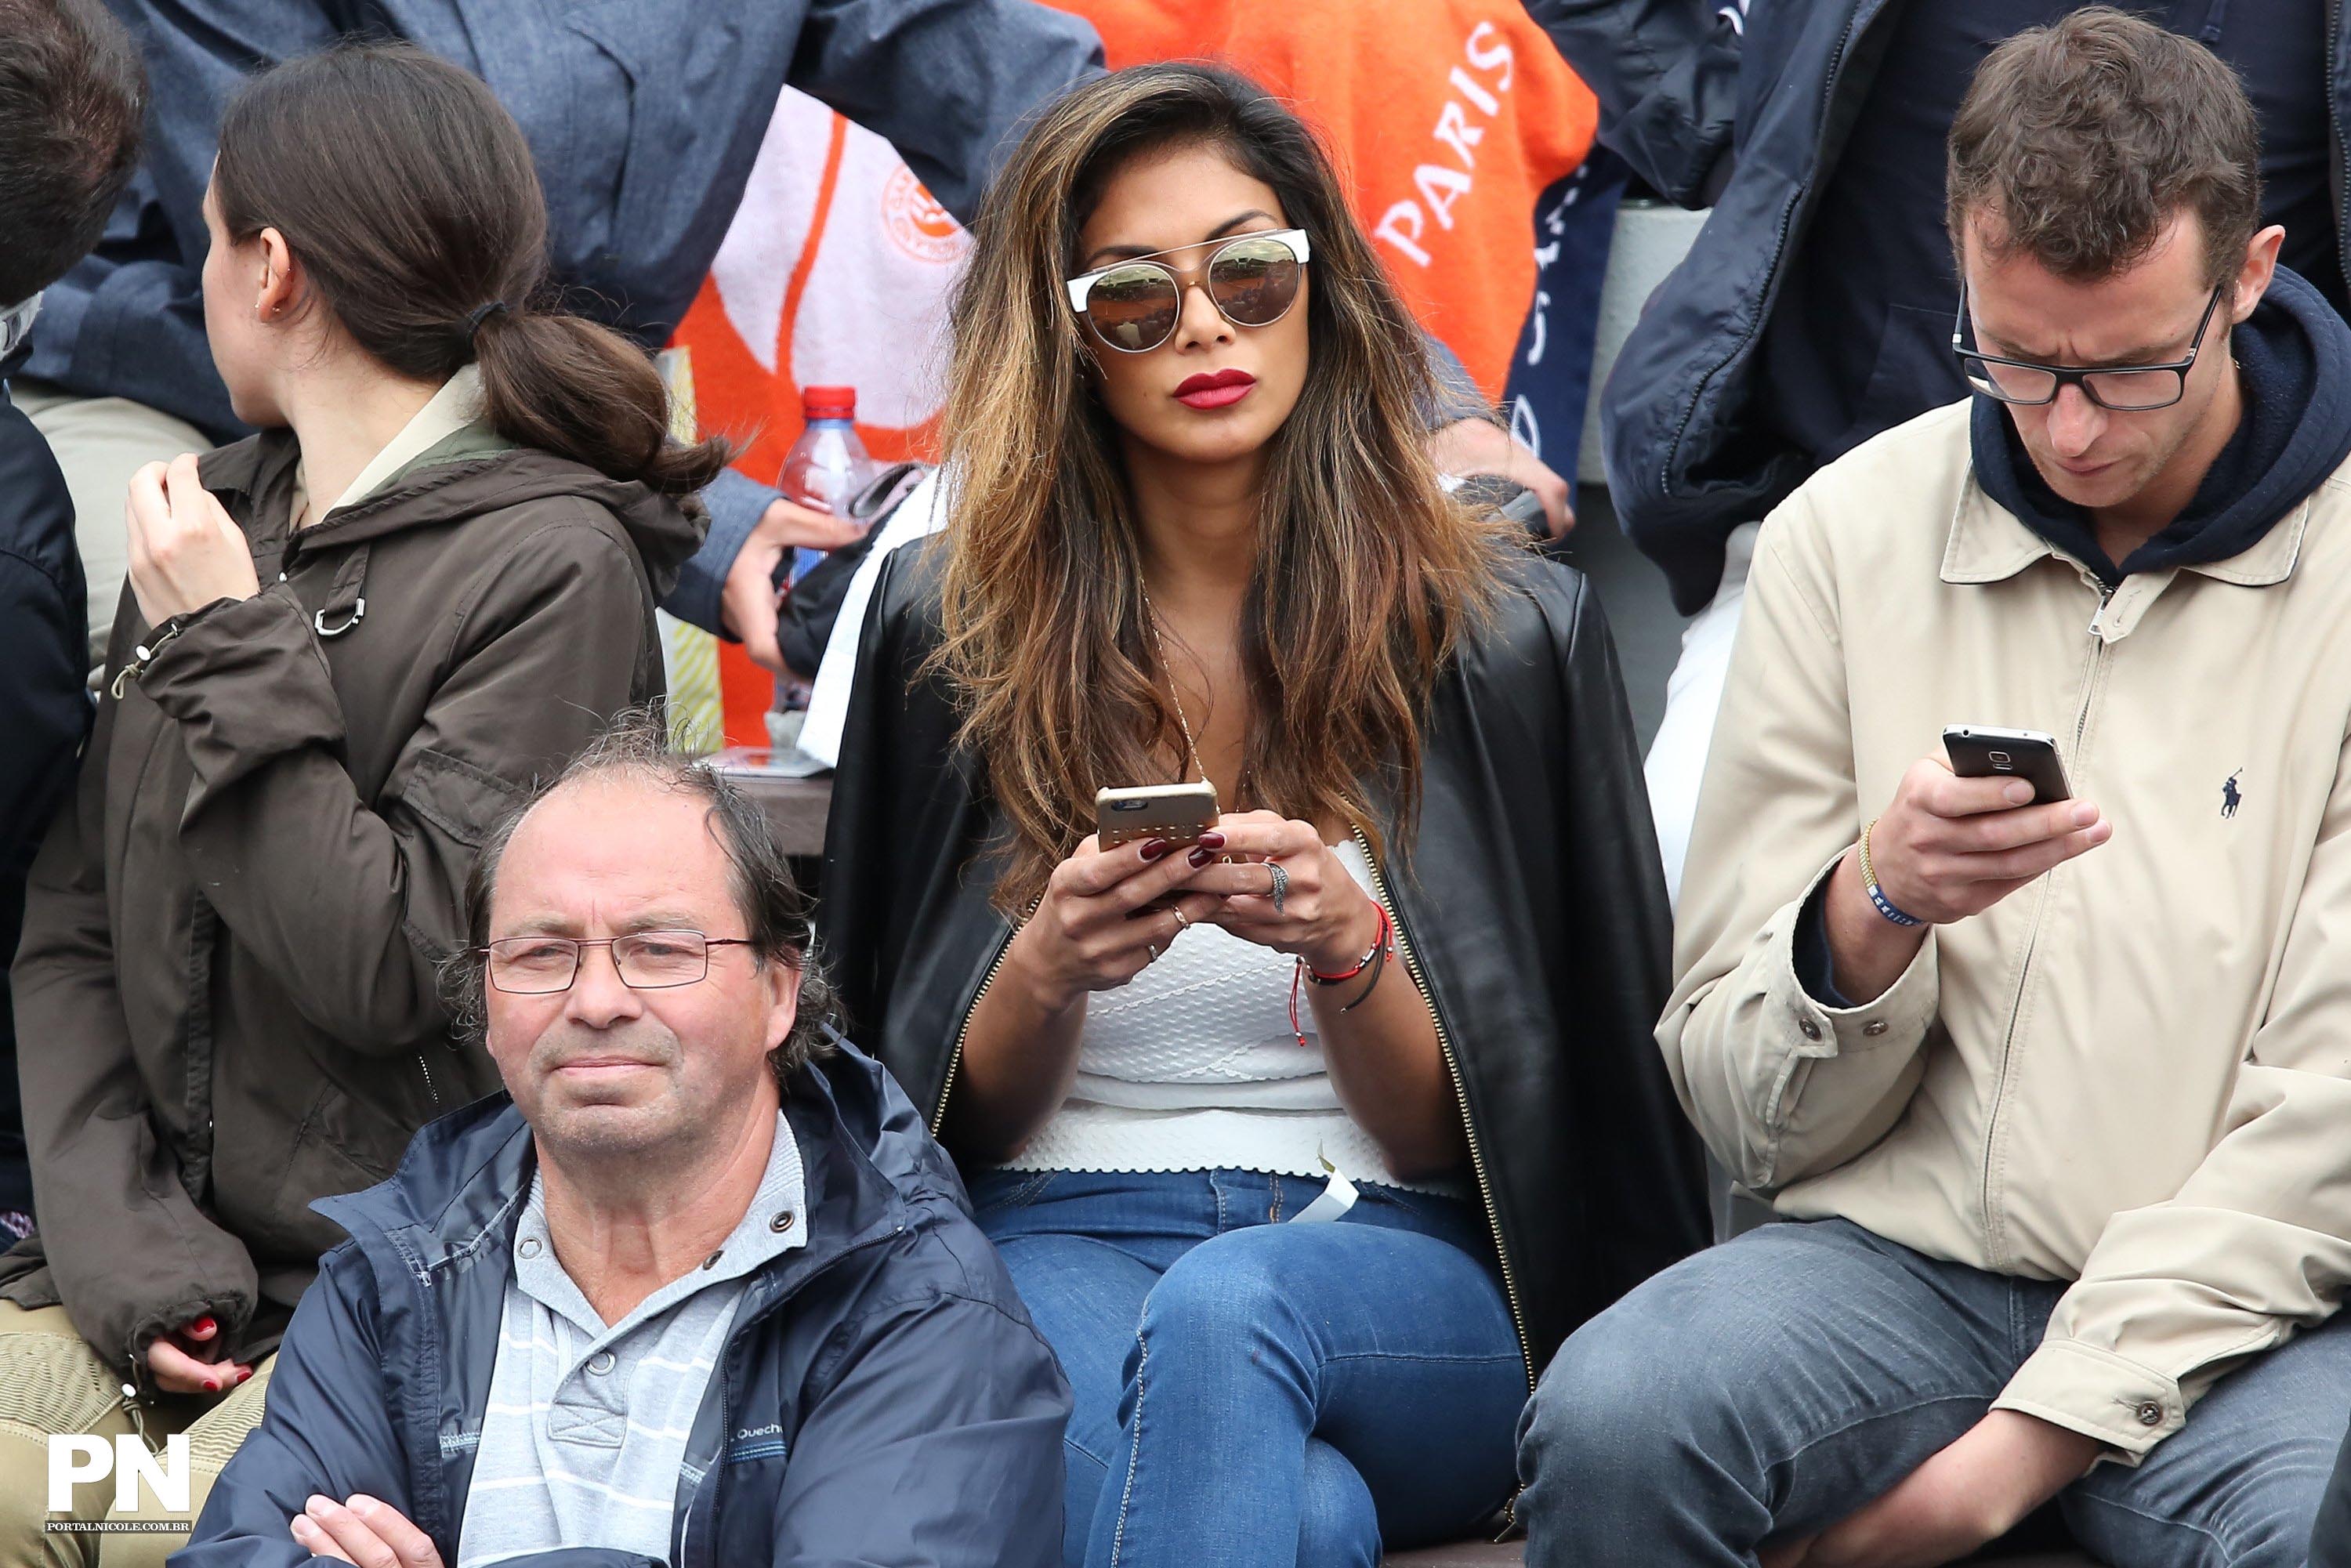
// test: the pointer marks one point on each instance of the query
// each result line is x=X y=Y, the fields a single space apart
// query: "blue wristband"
x=1886 y=908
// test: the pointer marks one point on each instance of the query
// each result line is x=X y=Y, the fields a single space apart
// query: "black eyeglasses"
x=646 y=960
x=1134 y=305
x=2127 y=389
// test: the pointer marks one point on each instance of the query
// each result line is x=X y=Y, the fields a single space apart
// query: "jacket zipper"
x=954 y=1057
x=2341 y=158
x=425 y=1068
x=1779 y=251
x=1992 y=1225
x=1461 y=1094
x=726 y=1392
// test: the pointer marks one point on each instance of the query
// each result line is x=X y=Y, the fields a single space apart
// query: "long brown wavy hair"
x=1366 y=571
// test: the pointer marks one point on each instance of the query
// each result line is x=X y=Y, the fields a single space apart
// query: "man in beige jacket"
x=2060 y=1091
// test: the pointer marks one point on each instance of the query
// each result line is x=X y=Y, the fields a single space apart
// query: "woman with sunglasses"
x=1403 y=985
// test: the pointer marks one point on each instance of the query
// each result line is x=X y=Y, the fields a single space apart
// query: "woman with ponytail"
x=347 y=645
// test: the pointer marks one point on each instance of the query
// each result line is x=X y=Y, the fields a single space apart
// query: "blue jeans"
x=1253 y=1395
x=1771 y=1386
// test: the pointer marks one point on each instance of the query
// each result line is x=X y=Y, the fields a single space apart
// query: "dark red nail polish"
x=1202 y=856
x=1212 y=841
x=203 y=1325
x=211 y=1386
x=1153 y=848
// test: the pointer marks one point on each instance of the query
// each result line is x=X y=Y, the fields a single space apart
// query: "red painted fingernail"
x=1212 y=841
x=211 y=1386
x=203 y=1325
x=1153 y=848
x=244 y=1373
x=1201 y=856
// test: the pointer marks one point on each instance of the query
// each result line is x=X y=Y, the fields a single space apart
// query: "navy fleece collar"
x=2294 y=354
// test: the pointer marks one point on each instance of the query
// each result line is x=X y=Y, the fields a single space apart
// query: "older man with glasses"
x=2049 y=1090
x=699 y=1289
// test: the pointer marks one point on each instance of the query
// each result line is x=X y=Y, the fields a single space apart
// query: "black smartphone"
x=1982 y=751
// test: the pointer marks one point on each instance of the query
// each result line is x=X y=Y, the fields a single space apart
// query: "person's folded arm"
x=1782 y=1084
x=130 y=1253
x=2257 y=1241
x=536 y=664
x=952 y=1409
x=947 y=82
x=736 y=502
x=1666 y=74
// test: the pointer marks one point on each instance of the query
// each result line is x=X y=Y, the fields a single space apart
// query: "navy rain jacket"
x=882 y=1399
x=45 y=709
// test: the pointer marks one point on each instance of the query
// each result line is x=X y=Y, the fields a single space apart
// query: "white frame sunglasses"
x=1081 y=288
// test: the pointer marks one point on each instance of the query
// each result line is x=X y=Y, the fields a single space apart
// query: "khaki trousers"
x=52 y=1383
x=99 y=442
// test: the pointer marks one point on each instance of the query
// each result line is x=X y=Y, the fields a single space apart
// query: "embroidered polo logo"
x=2231 y=796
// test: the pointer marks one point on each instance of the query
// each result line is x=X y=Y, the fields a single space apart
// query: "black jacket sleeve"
x=1666 y=74
x=1625 y=941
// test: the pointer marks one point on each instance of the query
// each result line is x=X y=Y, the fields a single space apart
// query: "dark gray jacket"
x=1747 y=115
x=226 y=995
x=883 y=1397
x=644 y=116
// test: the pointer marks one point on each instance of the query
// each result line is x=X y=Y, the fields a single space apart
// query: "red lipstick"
x=1215 y=389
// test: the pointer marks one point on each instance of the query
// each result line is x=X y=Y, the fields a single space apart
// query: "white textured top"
x=1192 y=1066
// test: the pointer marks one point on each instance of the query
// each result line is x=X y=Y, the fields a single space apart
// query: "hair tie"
x=482 y=313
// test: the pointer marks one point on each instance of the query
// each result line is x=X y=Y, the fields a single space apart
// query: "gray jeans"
x=1770 y=1386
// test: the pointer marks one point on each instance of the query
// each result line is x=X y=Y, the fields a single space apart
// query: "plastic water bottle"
x=827 y=465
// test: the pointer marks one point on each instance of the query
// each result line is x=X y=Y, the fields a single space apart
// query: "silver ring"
x=1280 y=891
x=1152 y=949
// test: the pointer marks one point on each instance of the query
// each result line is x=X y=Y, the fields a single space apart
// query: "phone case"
x=1178 y=813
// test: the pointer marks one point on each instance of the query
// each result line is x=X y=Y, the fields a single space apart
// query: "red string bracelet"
x=1383 y=945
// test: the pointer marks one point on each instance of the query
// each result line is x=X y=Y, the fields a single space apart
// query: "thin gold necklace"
x=1159 y=645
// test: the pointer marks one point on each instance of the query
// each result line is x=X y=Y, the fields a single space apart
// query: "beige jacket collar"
x=1988 y=543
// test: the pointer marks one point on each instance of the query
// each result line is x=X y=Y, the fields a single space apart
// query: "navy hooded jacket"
x=882 y=1399
x=44 y=709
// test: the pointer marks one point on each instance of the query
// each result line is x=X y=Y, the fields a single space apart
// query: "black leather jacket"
x=1532 y=907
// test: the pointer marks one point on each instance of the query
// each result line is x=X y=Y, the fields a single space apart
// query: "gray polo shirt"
x=583 y=1441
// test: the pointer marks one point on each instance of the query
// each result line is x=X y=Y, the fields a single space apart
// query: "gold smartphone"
x=1178 y=813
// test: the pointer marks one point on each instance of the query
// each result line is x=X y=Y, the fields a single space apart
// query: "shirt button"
x=601 y=1362
x=712 y=1261
x=782 y=1222
x=1875 y=1028
x=1811 y=1030
x=2150 y=1414
x=529 y=1247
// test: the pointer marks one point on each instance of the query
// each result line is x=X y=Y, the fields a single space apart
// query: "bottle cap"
x=829 y=403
